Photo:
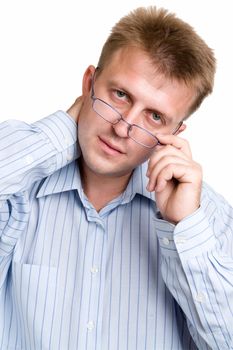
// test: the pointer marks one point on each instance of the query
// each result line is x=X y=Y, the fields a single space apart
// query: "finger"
x=183 y=173
x=165 y=151
x=172 y=171
x=175 y=141
x=159 y=166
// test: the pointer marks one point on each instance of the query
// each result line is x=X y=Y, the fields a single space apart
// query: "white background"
x=46 y=45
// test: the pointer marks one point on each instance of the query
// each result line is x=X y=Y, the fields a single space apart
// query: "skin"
x=109 y=155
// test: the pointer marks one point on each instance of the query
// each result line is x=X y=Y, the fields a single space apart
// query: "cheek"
x=85 y=111
x=89 y=126
x=140 y=154
x=84 y=127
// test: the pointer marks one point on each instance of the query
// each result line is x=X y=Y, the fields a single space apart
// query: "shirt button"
x=94 y=269
x=90 y=325
x=200 y=298
x=66 y=141
x=29 y=159
x=181 y=240
x=166 y=241
x=69 y=156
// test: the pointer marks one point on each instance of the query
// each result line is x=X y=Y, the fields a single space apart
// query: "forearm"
x=197 y=267
x=29 y=153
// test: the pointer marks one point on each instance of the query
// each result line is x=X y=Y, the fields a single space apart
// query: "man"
x=110 y=240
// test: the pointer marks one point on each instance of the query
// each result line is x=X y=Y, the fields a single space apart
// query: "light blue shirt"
x=120 y=279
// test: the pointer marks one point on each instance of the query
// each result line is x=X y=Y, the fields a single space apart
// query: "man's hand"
x=175 y=178
x=74 y=110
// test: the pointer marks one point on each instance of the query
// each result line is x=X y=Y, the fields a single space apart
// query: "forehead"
x=129 y=60
x=132 y=70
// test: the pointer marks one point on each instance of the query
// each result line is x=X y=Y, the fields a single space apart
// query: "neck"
x=100 y=189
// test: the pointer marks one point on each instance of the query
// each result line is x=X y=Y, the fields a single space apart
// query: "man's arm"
x=196 y=240
x=28 y=153
x=197 y=267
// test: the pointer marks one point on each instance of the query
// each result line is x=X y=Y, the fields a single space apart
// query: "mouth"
x=110 y=148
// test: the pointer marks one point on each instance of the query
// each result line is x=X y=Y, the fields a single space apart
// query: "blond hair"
x=172 y=45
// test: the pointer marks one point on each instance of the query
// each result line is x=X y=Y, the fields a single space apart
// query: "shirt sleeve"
x=28 y=153
x=197 y=267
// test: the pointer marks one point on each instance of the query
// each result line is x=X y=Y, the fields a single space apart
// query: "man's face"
x=131 y=85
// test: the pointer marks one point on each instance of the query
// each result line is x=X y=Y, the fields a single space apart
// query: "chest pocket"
x=34 y=293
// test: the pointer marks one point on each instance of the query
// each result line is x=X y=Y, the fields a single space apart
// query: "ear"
x=87 y=80
x=181 y=129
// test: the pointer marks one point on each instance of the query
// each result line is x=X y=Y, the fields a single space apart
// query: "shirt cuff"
x=191 y=237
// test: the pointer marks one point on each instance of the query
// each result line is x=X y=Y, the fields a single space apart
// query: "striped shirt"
x=119 y=279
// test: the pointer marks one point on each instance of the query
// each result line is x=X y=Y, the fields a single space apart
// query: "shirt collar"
x=68 y=178
x=64 y=179
x=137 y=184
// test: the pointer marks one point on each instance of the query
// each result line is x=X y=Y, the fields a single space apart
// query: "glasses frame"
x=121 y=118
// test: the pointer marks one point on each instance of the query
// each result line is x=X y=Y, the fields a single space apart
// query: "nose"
x=121 y=128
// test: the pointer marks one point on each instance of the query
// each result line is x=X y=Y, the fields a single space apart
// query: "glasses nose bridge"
x=120 y=128
x=121 y=118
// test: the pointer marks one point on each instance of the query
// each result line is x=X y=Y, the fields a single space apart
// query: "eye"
x=156 y=117
x=120 y=93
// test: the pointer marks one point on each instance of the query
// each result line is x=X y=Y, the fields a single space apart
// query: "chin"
x=105 y=167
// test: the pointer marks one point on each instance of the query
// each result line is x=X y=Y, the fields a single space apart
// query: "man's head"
x=173 y=47
x=154 y=70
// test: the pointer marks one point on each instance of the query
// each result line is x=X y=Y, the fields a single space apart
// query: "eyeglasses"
x=137 y=133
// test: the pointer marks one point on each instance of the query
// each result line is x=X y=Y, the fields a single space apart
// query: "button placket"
x=200 y=297
x=90 y=325
x=94 y=270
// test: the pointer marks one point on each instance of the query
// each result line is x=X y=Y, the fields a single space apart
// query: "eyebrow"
x=119 y=86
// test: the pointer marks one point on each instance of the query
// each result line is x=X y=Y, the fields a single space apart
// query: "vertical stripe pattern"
x=120 y=279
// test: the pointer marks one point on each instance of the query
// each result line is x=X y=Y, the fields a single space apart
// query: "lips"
x=111 y=145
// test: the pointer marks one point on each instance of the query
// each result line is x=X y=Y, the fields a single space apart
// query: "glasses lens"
x=105 y=111
x=142 y=136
